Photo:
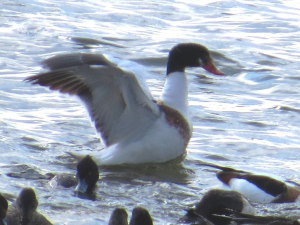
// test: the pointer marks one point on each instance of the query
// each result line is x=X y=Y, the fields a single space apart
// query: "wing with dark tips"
x=118 y=106
x=76 y=59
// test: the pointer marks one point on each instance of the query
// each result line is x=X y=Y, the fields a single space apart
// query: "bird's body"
x=134 y=127
x=85 y=180
x=23 y=210
x=139 y=216
x=260 y=188
x=3 y=209
x=217 y=202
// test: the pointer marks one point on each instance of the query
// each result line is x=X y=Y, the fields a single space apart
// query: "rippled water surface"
x=248 y=119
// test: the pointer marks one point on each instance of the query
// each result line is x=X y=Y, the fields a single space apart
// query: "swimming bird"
x=214 y=205
x=3 y=209
x=87 y=175
x=23 y=210
x=260 y=188
x=86 y=178
x=134 y=127
x=118 y=217
x=139 y=216
x=257 y=187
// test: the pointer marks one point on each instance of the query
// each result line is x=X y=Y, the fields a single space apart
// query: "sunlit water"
x=248 y=119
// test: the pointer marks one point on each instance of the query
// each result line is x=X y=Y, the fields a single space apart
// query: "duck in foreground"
x=140 y=216
x=134 y=127
x=23 y=210
x=118 y=217
x=3 y=209
x=214 y=205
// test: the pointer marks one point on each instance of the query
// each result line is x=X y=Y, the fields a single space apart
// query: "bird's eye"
x=205 y=59
x=200 y=62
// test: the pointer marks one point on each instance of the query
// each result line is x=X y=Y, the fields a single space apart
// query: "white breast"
x=250 y=191
x=160 y=144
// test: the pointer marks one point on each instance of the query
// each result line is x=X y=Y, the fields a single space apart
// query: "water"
x=248 y=119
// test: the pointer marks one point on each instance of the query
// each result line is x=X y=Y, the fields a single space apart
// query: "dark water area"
x=248 y=119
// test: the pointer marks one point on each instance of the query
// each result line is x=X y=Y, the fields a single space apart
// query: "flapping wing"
x=116 y=103
x=76 y=59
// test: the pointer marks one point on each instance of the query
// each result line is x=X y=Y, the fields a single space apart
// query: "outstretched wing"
x=116 y=103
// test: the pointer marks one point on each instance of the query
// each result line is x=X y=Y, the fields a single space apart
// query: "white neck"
x=175 y=92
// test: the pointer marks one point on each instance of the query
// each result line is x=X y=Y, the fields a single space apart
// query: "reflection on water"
x=248 y=119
